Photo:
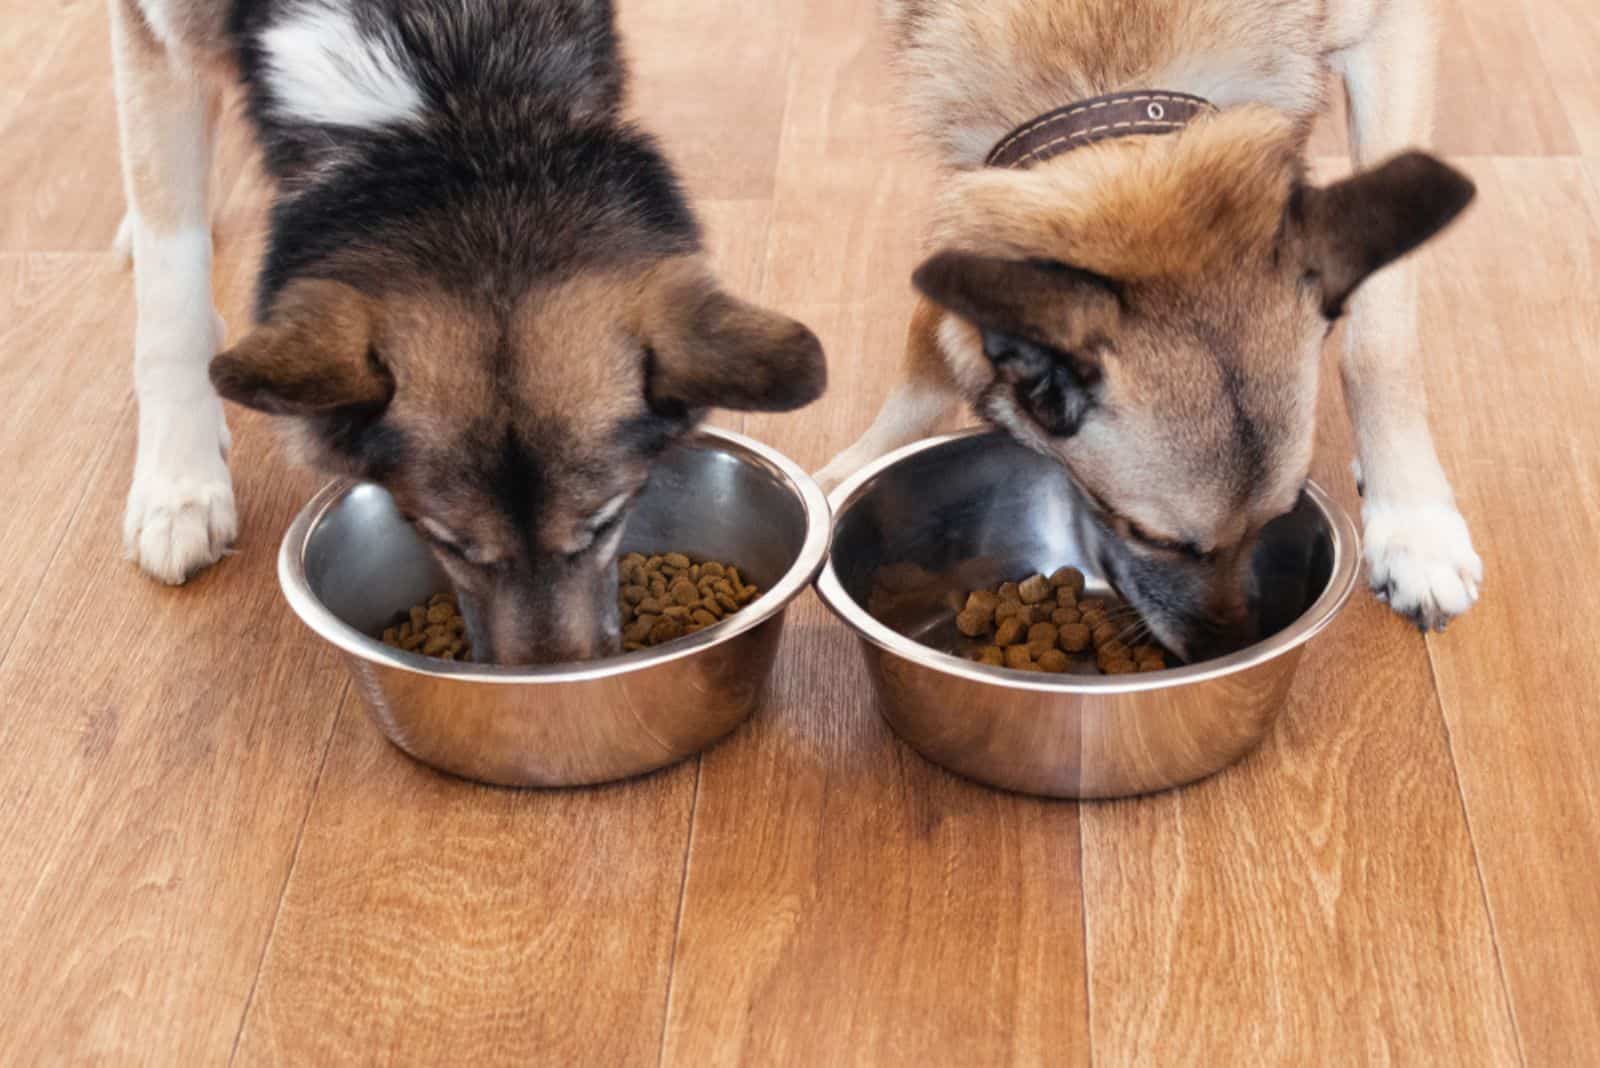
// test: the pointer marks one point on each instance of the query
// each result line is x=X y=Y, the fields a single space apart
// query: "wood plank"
x=61 y=408
x=707 y=80
x=1495 y=94
x=1518 y=376
x=163 y=745
x=1568 y=35
x=433 y=921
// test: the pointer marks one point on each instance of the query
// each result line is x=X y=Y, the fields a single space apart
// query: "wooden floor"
x=208 y=855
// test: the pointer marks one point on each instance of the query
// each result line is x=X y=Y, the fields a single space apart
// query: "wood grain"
x=1518 y=678
x=430 y=921
x=50 y=345
x=161 y=750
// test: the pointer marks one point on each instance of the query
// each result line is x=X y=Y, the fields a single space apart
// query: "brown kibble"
x=1017 y=656
x=677 y=560
x=982 y=601
x=1066 y=598
x=391 y=636
x=973 y=623
x=435 y=644
x=1033 y=589
x=1006 y=610
x=727 y=602
x=1067 y=578
x=710 y=605
x=1074 y=637
x=1010 y=632
x=650 y=605
x=702 y=618
x=658 y=585
x=1103 y=632
x=665 y=630
x=1009 y=591
x=1119 y=666
x=1113 y=650
x=1092 y=617
x=1042 y=632
x=440 y=613
x=676 y=611
x=992 y=655
x=694 y=573
x=419 y=618
x=1091 y=604
x=633 y=647
x=1062 y=616
x=712 y=568
x=1152 y=665
x=1053 y=661
x=1037 y=649
x=634 y=594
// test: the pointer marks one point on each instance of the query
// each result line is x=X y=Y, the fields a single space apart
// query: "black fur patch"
x=519 y=169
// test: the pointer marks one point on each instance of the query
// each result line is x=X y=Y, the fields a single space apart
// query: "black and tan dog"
x=1141 y=279
x=483 y=288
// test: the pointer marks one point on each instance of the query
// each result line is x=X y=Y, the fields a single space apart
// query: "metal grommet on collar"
x=1156 y=111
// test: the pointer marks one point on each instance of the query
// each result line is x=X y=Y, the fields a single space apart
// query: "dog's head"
x=506 y=362
x=1152 y=312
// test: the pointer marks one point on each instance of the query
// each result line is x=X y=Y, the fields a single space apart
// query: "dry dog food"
x=668 y=595
x=661 y=597
x=432 y=629
x=1045 y=624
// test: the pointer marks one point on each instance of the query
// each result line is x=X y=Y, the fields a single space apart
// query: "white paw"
x=1421 y=562
x=180 y=516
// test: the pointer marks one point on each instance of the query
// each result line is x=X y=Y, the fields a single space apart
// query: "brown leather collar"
x=1141 y=111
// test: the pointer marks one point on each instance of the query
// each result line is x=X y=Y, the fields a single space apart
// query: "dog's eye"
x=1187 y=549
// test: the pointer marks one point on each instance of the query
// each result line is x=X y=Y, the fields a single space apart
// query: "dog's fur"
x=1151 y=310
x=483 y=288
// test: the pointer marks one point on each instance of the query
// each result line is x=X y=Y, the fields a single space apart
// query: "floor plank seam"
x=677 y=926
x=288 y=876
x=1477 y=864
x=100 y=459
x=1083 y=936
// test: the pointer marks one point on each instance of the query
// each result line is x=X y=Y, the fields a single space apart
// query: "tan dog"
x=1150 y=308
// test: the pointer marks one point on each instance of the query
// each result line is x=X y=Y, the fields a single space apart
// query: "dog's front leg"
x=1419 y=554
x=180 y=512
x=922 y=399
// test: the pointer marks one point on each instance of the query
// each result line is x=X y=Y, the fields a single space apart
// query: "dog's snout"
x=515 y=627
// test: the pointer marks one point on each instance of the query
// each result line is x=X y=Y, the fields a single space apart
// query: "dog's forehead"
x=1190 y=444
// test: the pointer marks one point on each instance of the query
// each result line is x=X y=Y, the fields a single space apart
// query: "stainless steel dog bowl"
x=920 y=526
x=349 y=564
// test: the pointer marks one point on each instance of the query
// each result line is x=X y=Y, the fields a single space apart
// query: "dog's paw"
x=1421 y=562
x=180 y=516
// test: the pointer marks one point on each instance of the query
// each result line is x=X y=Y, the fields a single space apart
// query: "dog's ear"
x=708 y=349
x=1356 y=226
x=1044 y=326
x=313 y=354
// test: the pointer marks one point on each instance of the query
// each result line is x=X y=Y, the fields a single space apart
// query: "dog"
x=1141 y=280
x=483 y=289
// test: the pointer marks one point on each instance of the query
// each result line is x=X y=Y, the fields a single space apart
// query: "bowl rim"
x=1346 y=544
x=808 y=562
